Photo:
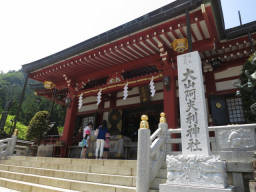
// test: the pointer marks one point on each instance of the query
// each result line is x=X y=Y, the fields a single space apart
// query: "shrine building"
x=132 y=70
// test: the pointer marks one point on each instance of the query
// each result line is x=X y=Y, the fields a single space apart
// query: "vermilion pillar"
x=170 y=102
x=210 y=90
x=210 y=83
x=69 y=126
x=170 y=99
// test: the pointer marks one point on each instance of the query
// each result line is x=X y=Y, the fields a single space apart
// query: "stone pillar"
x=69 y=126
x=193 y=118
x=195 y=170
x=143 y=158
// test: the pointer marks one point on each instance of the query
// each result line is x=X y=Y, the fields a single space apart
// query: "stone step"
x=156 y=182
x=22 y=186
x=54 y=160
x=65 y=183
x=73 y=175
x=81 y=165
x=2 y=189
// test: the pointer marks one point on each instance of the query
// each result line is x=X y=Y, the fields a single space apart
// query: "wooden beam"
x=150 y=60
x=200 y=29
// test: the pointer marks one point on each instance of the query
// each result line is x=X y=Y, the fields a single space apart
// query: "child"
x=85 y=142
x=106 y=146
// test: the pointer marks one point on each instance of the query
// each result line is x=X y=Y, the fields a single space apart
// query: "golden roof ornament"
x=180 y=45
x=144 y=122
x=162 y=118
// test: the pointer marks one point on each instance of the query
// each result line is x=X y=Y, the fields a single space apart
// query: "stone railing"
x=235 y=144
x=151 y=152
x=7 y=146
x=225 y=138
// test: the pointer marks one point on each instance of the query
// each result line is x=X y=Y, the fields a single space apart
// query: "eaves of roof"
x=171 y=10
x=174 y=9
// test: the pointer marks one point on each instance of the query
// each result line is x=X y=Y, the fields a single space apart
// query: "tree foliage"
x=248 y=93
x=11 y=85
x=38 y=126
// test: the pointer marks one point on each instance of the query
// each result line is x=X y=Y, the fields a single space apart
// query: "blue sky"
x=230 y=11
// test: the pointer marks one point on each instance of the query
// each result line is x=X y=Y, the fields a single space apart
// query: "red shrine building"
x=132 y=70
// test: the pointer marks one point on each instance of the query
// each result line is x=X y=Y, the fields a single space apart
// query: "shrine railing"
x=151 y=153
x=223 y=138
x=152 y=149
x=7 y=146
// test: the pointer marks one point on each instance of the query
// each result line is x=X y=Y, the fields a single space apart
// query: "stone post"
x=164 y=128
x=143 y=156
x=13 y=142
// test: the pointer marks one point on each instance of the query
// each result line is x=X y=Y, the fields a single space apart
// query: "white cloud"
x=33 y=29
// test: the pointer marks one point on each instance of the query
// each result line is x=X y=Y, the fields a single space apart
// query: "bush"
x=38 y=126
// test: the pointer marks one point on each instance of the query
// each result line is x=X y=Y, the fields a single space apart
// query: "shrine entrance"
x=131 y=119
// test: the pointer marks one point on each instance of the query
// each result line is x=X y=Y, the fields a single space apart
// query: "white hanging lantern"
x=125 y=91
x=80 y=101
x=152 y=87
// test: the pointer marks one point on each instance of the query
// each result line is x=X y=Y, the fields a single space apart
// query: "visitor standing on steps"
x=86 y=136
x=101 y=136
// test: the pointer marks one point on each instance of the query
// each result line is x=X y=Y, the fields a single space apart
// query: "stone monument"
x=195 y=170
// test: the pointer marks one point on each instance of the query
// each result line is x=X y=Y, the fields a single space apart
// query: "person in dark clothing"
x=101 y=136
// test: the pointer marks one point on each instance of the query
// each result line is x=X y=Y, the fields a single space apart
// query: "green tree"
x=11 y=85
x=248 y=88
x=38 y=126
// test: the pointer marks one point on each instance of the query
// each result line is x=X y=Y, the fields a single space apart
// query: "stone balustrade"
x=227 y=141
x=7 y=146
x=151 y=152
x=233 y=143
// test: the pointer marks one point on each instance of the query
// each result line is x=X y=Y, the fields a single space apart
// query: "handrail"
x=213 y=128
x=155 y=134
x=5 y=140
x=151 y=153
x=7 y=146
x=152 y=149
x=222 y=133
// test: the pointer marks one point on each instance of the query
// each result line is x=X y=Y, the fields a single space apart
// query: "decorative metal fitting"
x=49 y=85
x=180 y=45
x=15 y=133
x=144 y=122
x=162 y=118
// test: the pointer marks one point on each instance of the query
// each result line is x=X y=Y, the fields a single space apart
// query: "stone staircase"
x=46 y=174
x=43 y=174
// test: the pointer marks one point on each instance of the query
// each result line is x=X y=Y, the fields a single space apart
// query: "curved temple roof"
x=137 y=44
x=155 y=17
